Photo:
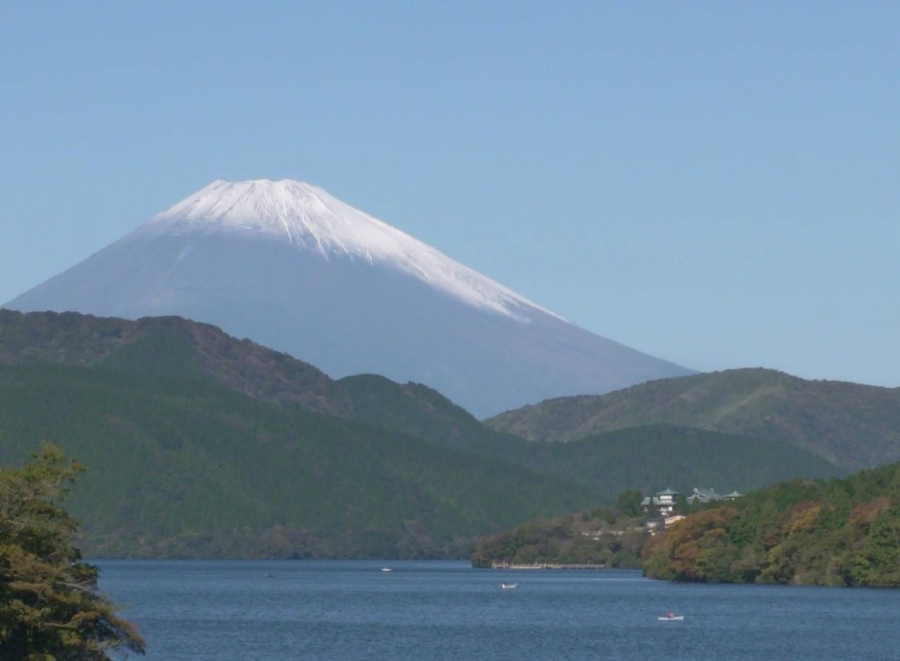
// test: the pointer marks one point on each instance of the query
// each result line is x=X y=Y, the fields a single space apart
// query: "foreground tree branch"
x=50 y=608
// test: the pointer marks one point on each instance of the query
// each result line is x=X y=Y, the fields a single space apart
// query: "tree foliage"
x=628 y=502
x=202 y=445
x=839 y=532
x=50 y=608
x=184 y=468
x=609 y=536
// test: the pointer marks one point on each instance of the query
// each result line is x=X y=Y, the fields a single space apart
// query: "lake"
x=345 y=611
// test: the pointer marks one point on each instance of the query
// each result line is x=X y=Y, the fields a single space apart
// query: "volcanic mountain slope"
x=852 y=425
x=291 y=267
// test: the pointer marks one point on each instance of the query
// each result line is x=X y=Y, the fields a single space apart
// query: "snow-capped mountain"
x=293 y=268
x=309 y=218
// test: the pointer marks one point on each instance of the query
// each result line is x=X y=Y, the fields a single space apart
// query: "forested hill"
x=180 y=349
x=173 y=347
x=203 y=445
x=658 y=456
x=839 y=532
x=167 y=347
x=181 y=468
x=852 y=425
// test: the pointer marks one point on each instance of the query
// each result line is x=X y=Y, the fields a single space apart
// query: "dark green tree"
x=877 y=564
x=628 y=502
x=50 y=608
x=682 y=506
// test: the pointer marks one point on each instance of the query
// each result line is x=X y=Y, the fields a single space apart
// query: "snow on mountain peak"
x=310 y=219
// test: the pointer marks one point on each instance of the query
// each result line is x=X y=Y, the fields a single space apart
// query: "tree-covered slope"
x=647 y=459
x=202 y=444
x=852 y=425
x=654 y=457
x=836 y=532
x=183 y=467
x=166 y=346
x=418 y=410
x=180 y=348
x=601 y=538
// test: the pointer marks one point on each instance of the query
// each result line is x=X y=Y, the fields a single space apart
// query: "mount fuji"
x=293 y=268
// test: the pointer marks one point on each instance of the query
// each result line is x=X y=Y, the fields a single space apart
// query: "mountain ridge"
x=203 y=445
x=853 y=425
x=362 y=297
x=171 y=347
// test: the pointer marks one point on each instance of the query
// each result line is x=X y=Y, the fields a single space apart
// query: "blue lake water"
x=245 y=611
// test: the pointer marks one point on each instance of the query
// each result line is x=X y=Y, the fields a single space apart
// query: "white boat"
x=386 y=569
x=670 y=617
x=508 y=586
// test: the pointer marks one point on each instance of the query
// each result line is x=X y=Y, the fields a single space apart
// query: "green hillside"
x=204 y=445
x=851 y=425
x=169 y=347
x=655 y=457
x=188 y=468
x=180 y=348
x=647 y=459
x=839 y=532
x=418 y=410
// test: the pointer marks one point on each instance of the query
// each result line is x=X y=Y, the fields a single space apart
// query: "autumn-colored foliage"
x=839 y=532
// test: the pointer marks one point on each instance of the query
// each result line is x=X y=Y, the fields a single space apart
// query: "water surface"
x=346 y=611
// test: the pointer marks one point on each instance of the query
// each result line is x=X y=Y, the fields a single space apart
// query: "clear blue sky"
x=716 y=183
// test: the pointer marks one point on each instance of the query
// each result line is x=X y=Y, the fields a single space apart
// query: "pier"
x=541 y=565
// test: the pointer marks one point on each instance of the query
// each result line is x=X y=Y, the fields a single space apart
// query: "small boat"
x=670 y=617
x=508 y=586
x=386 y=569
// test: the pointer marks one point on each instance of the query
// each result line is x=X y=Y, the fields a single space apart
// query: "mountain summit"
x=310 y=219
x=293 y=268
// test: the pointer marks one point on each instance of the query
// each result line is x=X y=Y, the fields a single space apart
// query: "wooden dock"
x=541 y=565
